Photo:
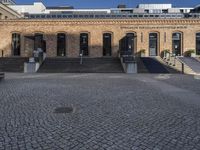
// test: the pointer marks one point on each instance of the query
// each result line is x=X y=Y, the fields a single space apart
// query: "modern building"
x=6 y=12
x=66 y=31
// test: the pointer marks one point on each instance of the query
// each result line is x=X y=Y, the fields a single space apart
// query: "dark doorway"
x=198 y=43
x=39 y=42
x=16 y=44
x=61 y=44
x=107 y=44
x=130 y=43
x=153 y=44
x=127 y=44
x=176 y=43
x=84 y=44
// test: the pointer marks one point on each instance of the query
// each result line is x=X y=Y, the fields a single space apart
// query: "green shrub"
x=189 y=53
x=142 y=51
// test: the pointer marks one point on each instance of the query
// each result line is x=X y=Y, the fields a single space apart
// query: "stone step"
x=1 y=75
x=90 y=65
x=12 y=64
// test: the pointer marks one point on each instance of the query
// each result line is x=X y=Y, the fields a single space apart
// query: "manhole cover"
x=63 y=110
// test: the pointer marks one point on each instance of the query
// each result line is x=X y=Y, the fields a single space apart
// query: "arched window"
x=84 y=44
x=177 y=43
x=153 y=44
x=198 y=43
x=61 y=44
x=107 y=44
x=16 y=39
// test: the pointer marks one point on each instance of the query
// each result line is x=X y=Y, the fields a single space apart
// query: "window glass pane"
x=16 y=44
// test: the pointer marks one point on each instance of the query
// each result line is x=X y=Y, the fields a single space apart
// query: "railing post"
x=174 y=60
x=182 y=68
x=2 y=53
x=81 y=61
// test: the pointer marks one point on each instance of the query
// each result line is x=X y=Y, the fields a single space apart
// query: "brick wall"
x=95 y=29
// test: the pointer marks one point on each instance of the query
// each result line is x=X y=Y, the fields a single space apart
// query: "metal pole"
x=81 y=62
x=2 y=53
x=182 y=68
x=174 y=60
x=164 y=54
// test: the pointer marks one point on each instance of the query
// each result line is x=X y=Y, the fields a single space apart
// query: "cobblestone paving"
x=111 y=112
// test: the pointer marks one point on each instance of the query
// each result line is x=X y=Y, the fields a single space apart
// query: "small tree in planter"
x=190 y=53
x=142 y=52
x=165 y=53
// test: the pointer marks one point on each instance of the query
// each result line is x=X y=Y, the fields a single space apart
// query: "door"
x=84 y=44
x=198 y=43
x=176 y=43
x=130 y=43
x=38 y=43
x=61 y=44
x=16 y=40
x=153 y=44
x=107 y=44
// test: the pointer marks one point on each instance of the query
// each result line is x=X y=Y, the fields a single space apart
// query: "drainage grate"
x=63 y=110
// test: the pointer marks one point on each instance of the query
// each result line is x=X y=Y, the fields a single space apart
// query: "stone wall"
x=96 y=28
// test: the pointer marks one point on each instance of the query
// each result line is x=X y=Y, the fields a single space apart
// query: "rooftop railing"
x=112 y=16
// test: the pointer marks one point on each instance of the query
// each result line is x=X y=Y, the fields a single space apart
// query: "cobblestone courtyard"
x=110 y=111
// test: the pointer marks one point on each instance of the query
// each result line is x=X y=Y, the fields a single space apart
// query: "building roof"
x=8 y=2
x=9 y=10
x=60 y=7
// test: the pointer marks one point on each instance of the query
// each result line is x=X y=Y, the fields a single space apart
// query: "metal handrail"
x=172 y=55
x=182 y=66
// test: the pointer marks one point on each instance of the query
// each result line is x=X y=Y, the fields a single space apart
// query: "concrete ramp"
x=153 y=65
x=192 y=63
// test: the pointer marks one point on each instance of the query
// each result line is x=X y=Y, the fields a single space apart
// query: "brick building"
x=65 y=31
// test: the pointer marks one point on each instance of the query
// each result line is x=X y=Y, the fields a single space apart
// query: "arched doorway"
x=84 y=44
x=61 y=44
x=198 y=43
x=127 y=44
x=130 y=43
x=153 y=44
x=39 y=42
x=107 y=44
x=177 y=43
x=16 y=46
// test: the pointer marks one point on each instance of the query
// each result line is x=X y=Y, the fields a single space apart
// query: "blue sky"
x=109 y=3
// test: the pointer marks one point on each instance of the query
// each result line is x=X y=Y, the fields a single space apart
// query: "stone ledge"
x=102 y=21
x=2 y=75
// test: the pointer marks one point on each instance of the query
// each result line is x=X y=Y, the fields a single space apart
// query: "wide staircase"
x=153 y=65
x=192 y=63
x=89 y=65
x=12 y=64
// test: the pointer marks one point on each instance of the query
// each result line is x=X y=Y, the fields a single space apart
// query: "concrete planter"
x=193 y=55
x=142 y=54
x=167 y=55
x=31 y=67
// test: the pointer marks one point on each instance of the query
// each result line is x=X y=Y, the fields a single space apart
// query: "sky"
x=109 y=3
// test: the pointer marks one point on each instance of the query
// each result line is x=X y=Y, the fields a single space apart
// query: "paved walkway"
x=192 y=63
x=111 y=112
